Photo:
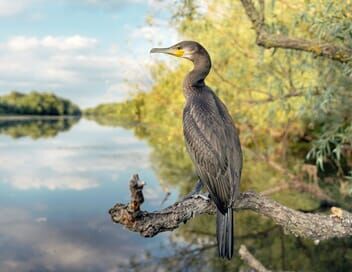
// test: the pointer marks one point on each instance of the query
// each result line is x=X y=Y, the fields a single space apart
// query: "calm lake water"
x=57 y=183
x=59 y=178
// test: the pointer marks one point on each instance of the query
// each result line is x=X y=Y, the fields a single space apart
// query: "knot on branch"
x=137 y=198
x=127 y=214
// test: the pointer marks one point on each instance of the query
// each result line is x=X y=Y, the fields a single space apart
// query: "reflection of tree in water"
x=36 y=128
x=193 y=248
x=270 y=245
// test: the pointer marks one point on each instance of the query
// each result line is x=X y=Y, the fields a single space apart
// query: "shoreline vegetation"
x=36 y=127
x=16 y=105
x=36 y=115
x=130 y=111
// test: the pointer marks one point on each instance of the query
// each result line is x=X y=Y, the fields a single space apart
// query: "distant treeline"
x=129 y=111
x=36 y=103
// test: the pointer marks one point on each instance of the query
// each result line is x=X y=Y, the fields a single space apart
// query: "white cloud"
x=152 y=33
x=22 y=43
x=68 y=43
x=11 y=7
x=16 y=7
x=113 y=5
x=159 y=31
x=107 y=4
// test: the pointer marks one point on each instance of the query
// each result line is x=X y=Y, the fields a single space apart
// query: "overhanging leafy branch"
x=268 y=40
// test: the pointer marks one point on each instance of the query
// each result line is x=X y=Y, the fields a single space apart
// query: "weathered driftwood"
x=251 y=260
x=268 y=40
x=308 y=225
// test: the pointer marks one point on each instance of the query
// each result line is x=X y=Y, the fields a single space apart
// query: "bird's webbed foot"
x=196 y=192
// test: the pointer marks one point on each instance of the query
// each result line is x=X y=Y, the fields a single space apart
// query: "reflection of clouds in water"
x=67 y=168
x=24 y=182
x=38 y=169
x=71 y=231
x=153 y=194
x=41 y=219
x=50 y=247
x=158 y=196
x=118 y=139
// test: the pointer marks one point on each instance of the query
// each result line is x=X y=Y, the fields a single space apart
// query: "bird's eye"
x=178 y=47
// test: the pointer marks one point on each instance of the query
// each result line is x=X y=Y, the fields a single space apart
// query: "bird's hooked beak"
x=169 y=50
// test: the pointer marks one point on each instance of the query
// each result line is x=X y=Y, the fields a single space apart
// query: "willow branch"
x=308 y=225
x=268 y=40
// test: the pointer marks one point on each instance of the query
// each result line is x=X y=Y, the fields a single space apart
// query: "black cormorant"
x=211 y=139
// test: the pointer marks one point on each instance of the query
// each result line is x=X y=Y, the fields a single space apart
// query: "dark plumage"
x=211 y=139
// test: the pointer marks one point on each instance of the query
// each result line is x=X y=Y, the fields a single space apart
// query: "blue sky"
x=84 y=50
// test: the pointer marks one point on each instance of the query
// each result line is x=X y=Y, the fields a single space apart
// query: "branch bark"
x=268 y=40
x=308 y=225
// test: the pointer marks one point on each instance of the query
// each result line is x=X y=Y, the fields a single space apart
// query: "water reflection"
x=36 y=128
x=55 y=194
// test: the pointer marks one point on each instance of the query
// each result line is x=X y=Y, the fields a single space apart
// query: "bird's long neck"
x=194 y=80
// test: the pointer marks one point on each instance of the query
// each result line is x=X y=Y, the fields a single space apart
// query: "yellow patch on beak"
x=178 y=52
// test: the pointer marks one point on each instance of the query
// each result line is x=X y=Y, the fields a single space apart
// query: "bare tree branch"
x=308 y=225
x=251 y=260
x=268 y=40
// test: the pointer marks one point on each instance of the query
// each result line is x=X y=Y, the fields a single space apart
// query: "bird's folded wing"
x=209 y=141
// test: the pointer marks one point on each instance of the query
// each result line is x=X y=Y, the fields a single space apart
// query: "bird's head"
x=185 y=49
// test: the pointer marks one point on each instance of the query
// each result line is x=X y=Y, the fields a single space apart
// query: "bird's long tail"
x=224 y=233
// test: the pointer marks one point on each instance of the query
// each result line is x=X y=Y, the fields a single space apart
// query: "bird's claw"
x=196 y=190
x=204 y=197
x=336 y=213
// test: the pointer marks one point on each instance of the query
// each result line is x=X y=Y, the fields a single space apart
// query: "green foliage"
x=331 y=21
x=330 y=145
x=36 y=103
